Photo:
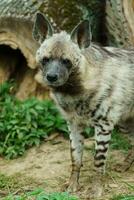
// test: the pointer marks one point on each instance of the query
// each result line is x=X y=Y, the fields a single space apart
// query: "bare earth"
x=49 y=164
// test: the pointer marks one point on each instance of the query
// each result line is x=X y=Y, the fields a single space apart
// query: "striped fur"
x=102 y=79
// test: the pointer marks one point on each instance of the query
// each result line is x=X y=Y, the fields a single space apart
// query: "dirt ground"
x=49 y=166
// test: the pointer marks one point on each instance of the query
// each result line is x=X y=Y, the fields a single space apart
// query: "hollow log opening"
x=13 y=66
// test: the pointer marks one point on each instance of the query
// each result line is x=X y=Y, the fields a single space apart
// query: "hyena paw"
x=126 y=164
x=121 y=167
x=96 y=191
x=71 y=187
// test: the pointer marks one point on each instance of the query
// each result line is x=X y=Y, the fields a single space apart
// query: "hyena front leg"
x=76 y=144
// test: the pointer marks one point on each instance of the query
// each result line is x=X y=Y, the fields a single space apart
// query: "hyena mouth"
x=54 y=85
x=55 y=82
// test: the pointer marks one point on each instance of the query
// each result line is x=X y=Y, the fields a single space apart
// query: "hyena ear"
x=42 y=28
x=81 y=34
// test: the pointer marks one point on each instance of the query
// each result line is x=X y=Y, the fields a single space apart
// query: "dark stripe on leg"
x=103 y=143
x=100 y=157
x=99 y=164
x=101 y=150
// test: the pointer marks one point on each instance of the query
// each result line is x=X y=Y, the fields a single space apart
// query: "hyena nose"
x=52 y=77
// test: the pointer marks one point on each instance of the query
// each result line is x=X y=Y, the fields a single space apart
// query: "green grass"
x=16 y=187
x=119 y=141
x=123 y=197
x=15 y=182
x=26 y=123
x=39 y=194
x=10 y=185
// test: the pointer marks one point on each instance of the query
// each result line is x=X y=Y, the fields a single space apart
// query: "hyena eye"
x=45 y=60
x=67 y=62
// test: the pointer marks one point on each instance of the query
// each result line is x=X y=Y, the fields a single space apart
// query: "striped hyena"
x=92 y=86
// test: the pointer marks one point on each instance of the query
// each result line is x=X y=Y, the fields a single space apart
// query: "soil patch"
x=49 y=165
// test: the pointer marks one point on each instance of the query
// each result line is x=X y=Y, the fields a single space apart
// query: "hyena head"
x=60 y=55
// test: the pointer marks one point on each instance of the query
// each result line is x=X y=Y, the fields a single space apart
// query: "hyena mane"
x=92 y=86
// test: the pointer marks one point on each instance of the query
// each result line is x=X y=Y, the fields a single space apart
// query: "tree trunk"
x=120 y=22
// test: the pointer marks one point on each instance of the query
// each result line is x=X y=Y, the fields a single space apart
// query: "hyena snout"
x=55 y=75
x=52 y=77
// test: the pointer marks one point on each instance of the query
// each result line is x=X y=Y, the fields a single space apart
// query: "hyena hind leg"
x=103 y=130
x=127 y=163
x=127 y=126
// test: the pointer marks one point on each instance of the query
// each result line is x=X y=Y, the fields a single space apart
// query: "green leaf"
x=25 y=123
